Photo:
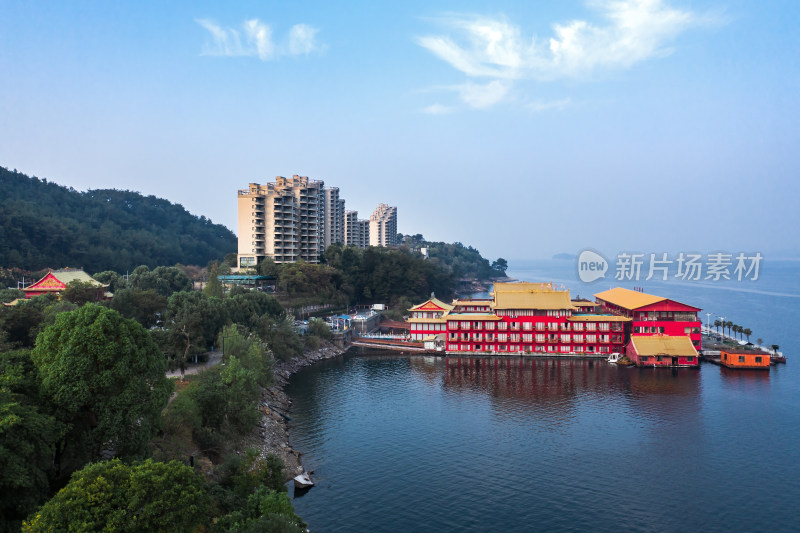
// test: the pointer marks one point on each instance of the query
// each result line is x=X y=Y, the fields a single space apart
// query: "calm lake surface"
x=510 y=444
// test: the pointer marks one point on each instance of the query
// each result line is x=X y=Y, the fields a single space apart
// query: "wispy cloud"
x=255 y=38
x=438 y=109
x=630 y=31
x=302 y=39
x=540 y=106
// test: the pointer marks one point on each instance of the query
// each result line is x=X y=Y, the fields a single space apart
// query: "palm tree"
x=717 y=324
x=747 y=332
x=760 y=341
x=775 y=348
x=729 y=325
x=738 y=330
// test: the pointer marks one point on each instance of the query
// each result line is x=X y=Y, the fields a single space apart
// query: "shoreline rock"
x=273 y=430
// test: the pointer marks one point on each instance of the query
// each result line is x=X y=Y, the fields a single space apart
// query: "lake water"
x=509 y=444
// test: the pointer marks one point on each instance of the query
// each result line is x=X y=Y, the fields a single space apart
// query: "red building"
x=662 y=350
x=520 y=318
x=428 y=319
x=652 y=315
x=55 y=282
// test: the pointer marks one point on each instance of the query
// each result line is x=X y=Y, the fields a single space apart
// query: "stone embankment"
x=275 y=404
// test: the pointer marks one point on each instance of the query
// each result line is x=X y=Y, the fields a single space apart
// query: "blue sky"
x=522 y=128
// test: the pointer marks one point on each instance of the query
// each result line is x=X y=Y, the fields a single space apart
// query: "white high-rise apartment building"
x=284 y=220
x=356 y=231
x=334 y=217
x=383 y=226
x=297 y=218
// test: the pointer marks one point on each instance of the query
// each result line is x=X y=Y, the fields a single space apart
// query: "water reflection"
x=391 y=438
x=543 y=380
x=749 y=379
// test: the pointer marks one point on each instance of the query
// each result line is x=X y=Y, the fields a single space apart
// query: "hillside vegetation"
x=43 y=225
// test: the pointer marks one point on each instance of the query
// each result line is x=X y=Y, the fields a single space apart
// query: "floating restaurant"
x=537 y=318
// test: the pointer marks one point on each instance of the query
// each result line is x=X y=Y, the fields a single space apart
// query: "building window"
x=643 y=358
x=741 y=359
x=758 y=359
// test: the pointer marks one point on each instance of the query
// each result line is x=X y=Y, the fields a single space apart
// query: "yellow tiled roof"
x=530 y=296
x=472 y=316
x=627 y=298
x=517 y=286
x=68 y=276
x=599 y=318
x=663 y=345
x=435 y=301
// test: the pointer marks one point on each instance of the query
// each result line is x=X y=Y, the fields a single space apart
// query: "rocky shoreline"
x=273 y=431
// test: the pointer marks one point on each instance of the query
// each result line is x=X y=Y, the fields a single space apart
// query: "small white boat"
x=303 y=480
x=614 y=357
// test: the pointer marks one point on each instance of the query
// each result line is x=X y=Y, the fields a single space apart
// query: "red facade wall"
x=472 y=338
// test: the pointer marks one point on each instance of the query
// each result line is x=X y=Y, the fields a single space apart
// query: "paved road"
x=212 y=358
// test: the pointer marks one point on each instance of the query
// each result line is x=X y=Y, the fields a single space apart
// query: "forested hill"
x=43 y=225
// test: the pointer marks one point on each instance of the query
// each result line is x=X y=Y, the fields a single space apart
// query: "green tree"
x=501 y=265
x=146 y=307
x=193 y=320
x=281 y=337
x=21 y=322
x=249 y=349
x=164 y=280
x=80 y=292
x=213 y=286
x=114 y=281
x=747 y=332
x=114 y=496
x=318 y=328
x=27 y=440
x=106 y=379
x=9 y=295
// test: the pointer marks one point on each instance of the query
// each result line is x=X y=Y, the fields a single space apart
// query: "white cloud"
x=224 y=41
x=438 y=109
x=302 y=39
x=483 y=96
x=540 y=106
x=630 y=31
x=260 y=36
x=258 y=40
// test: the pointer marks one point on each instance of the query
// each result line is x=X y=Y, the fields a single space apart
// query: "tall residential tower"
x=297 y=218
